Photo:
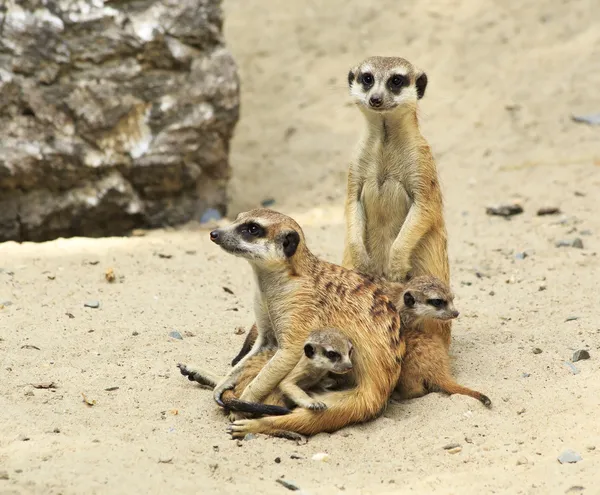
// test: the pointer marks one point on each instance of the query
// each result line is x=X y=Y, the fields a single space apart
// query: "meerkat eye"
x=333 y=356
x=367 y=79
x=436 y=303
x=397 y=80
x=253 y=229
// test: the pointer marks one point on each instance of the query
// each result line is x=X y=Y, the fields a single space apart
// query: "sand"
x=504 y=81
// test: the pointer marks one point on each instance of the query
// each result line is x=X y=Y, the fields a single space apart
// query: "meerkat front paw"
x=236 y=416
x=315 y=406
x=242 y=427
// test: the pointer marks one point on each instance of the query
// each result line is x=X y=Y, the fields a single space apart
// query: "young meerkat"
x=426 y=365
x=296 y=293
x=326 y=362
x=394 y=210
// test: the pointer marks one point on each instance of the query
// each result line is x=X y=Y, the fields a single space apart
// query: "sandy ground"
x=504 y=80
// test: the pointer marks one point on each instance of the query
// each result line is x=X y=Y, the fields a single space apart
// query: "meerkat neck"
x=399 y=125
x=408 y=319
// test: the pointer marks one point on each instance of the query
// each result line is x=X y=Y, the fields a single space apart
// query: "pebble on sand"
x=175 y=335
x=290 y=485
x=580 y=355
x=537 y=350
x=575 y=243
x=549 y=210
x=569 y=456
x=321 y=456
x=92 y=304
x=504 y=210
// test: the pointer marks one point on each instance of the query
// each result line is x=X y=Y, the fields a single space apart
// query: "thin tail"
x=449 y=386
x=248 y=343
x=233 y=403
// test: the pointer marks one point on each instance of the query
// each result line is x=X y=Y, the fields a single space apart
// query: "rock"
x=572 y=367
x=580 y=355
x=24 y=438
x=113 y=115
x=507 y=210
x=571 y=318
x=450 y=446
x=575 y=243
x=277 y=460
x=569 y=456
x=536 y=350
x=250 y=436
x=175 y=335
x=6 y=303
x=585 y=232
x=550 y=210
x=521 y=461
x=228 y=290
x=542 y=288
x=4 y=475
x=455 y=450
x=92 y=304
x=593 y=119
x=575 y=489
x=321 y=456
x=591 y=447
x=521 y=256
x=288 y=484
x=239 y=331
x=165 y=460
x=525 y=375
x=135 y=333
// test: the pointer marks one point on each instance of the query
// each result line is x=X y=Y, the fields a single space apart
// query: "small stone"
x=228 y=290
x=585 y=232
x=250 y=436
x=455 y=450
x=135 y=333
x=521 y=411
x=536 y=350
x=56 y=430
x=6 y=303
x=549 y=210
x=468 y=440
x=70 y=315
x=138 y=233
x=164 y=256
x=92 y=304
x=525 y=375
x=572 y=318
x=492 y=293
x=4 y=475
x=569 y=457
x=265 y=203
x=542 y=288
x=577 y=243
x=109 y=275
x=451 y=446
x=521 y=256
x=288 y=484
x=24 y=438
x=579 y=194
x=591 y=447
x=213 y=467
x=575 y=489
x=504 y=210
x=240 y=331
x=277 y=460
x=239 y=443
x=521 y=461
x=571 y=367
x=175 y=335
x=165 y=460
x=296 y=456
x=591 y=119
x=210 y=215
x=321 y=456
x=580 y=355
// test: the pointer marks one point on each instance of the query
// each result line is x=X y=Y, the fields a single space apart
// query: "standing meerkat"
x=326 y=352
x=296 y=293
x=426 y=365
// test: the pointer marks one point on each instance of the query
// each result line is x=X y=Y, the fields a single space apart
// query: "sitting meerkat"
x=326 y=363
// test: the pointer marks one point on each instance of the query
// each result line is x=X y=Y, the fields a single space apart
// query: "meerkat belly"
x=386 y=205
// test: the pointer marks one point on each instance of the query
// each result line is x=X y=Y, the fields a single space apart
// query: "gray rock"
x=575 y=243
x=4 y=475
x=6 y=303
x=571 y=318
x=175 y=335
x=569 y=456
x=550 y=210
x=92 y=304
x=290 y=485
x=580 y=355
x=572 y=367
x=593 y=119
x=451 y=446
x=112 y=116
x=507 y=210
x=521 y=256
x=537 y=350
x=266 y=203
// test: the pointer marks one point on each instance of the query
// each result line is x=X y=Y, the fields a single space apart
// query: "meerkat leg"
x=205 y=378
x=300 y=397
x=355 y=252
x=248 y=343
x=413 y=229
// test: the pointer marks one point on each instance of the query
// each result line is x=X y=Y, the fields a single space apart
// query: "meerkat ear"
x=309 y=351
x=290 y=243
x=421 y=84
x=351 y=77
x=409 y=300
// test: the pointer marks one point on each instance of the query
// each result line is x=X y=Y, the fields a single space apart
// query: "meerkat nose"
x=214 y=235
x=455 y=314
x=375 y=101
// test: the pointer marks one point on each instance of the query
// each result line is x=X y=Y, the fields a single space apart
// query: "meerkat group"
x=331 y=343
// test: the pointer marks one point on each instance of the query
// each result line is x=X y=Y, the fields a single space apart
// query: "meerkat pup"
x=426 y=365
x=326 y=363
x=296 y=293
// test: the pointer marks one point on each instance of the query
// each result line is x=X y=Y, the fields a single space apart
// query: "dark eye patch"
x=396 y=82
x=251 y=230
x=366 y=79
x=436 y=303
x=333 y=356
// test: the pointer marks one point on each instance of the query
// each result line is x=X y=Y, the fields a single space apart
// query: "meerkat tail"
x=248 y=343
x=199 y=376
x=234 y=404
x=449 y=386
x=344 y=408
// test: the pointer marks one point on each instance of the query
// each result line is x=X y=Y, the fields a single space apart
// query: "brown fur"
x=297 y=292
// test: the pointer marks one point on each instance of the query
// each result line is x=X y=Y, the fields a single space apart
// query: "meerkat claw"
x=317 y=406
x=241 y=428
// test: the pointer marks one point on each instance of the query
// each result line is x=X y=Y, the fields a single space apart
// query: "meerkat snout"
x=375 y=101
x=214 y=236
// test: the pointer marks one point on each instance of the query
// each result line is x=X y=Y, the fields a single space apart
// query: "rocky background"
x=112 y=115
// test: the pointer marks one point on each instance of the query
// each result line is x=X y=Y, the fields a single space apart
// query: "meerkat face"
x=383 y=84
x=261 y=236
x=428 y=297
x=329 y=350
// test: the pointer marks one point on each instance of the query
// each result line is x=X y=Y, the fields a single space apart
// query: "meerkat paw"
x=240 y=428
x=236 y=416
x=219 y=390
x=315 y=406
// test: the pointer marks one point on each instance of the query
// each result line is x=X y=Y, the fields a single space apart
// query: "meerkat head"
x=384 y=84
x=262 y=236
x=329 y=349
x=428 y=297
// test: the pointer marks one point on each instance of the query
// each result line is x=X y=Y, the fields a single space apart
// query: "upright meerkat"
x=426 y=365
x=326 y=351
x=296 y=293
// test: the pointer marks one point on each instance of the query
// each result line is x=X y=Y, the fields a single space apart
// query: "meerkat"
x=326 y=362
x=296 y=293
x=426 y=365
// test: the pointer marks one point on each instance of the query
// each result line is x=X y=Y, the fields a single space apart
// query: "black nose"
x=455 y=314
x=214 y=235
x=375 y=101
